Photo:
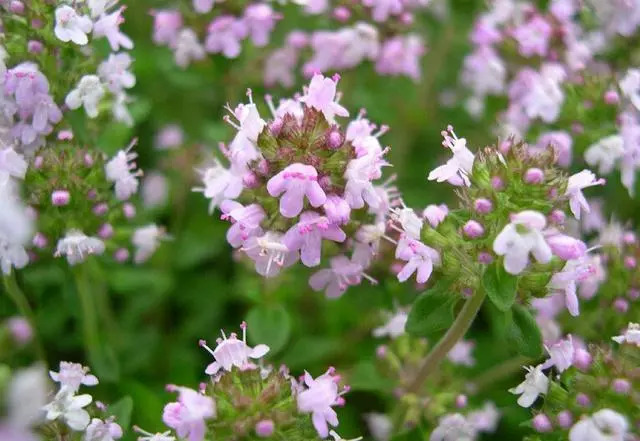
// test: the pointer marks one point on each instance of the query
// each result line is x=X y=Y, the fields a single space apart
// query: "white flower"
x=69 y=408
x=453 y=427
x=27 y=394
x=12 y=163
x=100 y=430
x=148 y=436
x=76 y=246
x=631 y=335
x=521 y=237
x=251 y=124
x=461 y=353
x=219 y=184
x=72 y=27
x=380 y=426
x=630 y=86
x=232 y=352
x=88 y=93
x=114 y=71
x=120 y=110
x=457 y=169
x=187 y=48
x=605 y=153
x=394 y=327
x=121 y=170
x=561 y=355
x=146 y=240
x=72 y=376
x=411 y=223
x=534 y=384
x=577 y=182
x=604 y=425
x=16 y=227
x=98 y=7
x=485 y=419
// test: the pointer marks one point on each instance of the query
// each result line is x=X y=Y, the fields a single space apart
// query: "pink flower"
x=566 y=247
x=321 y=95
x=220 y=183
x=401 y=56
x=359 y=175
x=321 y=394
x=382 y=9
x=337 y=209
x=435 y=214
x=335 y=280
x=260 y=20
x=565 y=282
x=166 y=25
x=231 y=352
x=307 y=236
x=419 y=257
x=577 y=182
x=561 y=355
x=245 y=221
x=187 y=415
x=269 y=253
x=109 y=26
x=202 y=6
x=533 y=36
x=224 y=35
x=461 y=353
x=100 y=430
x=561 y=143
x=296 y=181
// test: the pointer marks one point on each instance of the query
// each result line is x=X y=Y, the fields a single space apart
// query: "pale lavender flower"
x=576 y=184
x=604 y=425
x=486 y=419
x=394 y=327
x=188 y=415
x=435 y=214
x=630 y=336
x=605 y=153
x=279 y=67
x=87 y=93
x=12 y=163
x=220 y=183
x=400 y=55
x=336 y=279
x=69 y=407
x=461 y=353
x=296 y=181
x=121 y=170
x=484 y=72
x=77 y=246
x=523 y=235
x=20 y=330
x=269 y=253
x=224 y=35
x=108 y=25
x=561 y=355
x=565 y=247
x=321 y=95
x=166 y=26
x=533 y=36
x=630 y=161
x=318 y=398
x=72 y=375
x=99 y=430
x=307 y=236
x=565 y=282
x=203 y=6
x=382 y=9
x=453 y=427
x=539 y=93
x=630 y=86
x=359 y=175
x=187 y=48
x=146 y=240
x=260 y=19
x=337 y=209
x=245 y=221
x=561 y=143
x=169 y=137
x=230 y=352
x=114 y=71
x=420 y=259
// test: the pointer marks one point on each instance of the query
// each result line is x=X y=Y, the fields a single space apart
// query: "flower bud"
x=265 y=428
x=88 y=160
x=473 y=229
x=34 y=47
x=483 y=206
x=534 y=176
x=566 y=247
x=38 y=162
x=337 y=209
x=583 y=400
x=461 y=401
x=582 y=359
x=558 y=217
x=60 y=198
x=485 y=257
x=17 y=7
x=630 y=262
x=250 y=180
x=341 y=14
x=129 y=210
x=611 y=97
x=541 y=423
x=20 y=330
x=621 y=305
x=121 y=255
x=435 y=214
x=621 y=386
x=334 y=140
x=105 y=231
x=40 y=241
x=100 y=209
x=565 y=419
x=497 y=183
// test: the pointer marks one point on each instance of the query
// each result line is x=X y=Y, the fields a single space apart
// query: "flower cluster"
x=224 y=30
x=246 y=400
x=299 y=181
x=553 y=65
x=34 y=411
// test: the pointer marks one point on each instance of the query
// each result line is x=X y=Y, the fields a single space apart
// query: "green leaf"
x=365 y=376
x=122 y=410
x=270 y=325
x=432 y=312
x=500 y=286
x=524 y=334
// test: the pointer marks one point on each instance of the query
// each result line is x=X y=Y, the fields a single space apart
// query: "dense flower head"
x=299 y=180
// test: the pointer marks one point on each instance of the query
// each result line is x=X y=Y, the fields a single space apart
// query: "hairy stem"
x=457 y=330
x=20 y=300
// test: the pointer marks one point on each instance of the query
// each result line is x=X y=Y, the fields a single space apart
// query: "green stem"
x=18 y=297
x=89 y=317
x=457 y=330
